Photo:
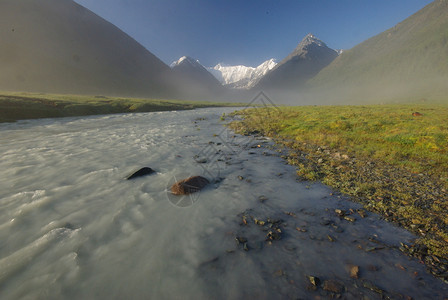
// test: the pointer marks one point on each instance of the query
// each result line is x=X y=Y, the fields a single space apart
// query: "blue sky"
x=248 y=32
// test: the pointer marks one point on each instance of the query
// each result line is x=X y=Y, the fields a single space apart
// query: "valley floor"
x=20 y=106
x=390 y=158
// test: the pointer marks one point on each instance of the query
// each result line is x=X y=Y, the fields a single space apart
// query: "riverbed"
x=72 y=226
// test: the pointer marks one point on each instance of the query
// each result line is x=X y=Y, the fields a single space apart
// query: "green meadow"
x=19 y=106
x=388 y=158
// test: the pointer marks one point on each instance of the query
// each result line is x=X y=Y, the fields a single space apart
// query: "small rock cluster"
x=271 y=229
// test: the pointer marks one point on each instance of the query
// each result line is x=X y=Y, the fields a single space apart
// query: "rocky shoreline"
x=417 y=202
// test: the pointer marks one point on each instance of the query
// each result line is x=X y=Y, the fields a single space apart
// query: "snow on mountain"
x=310 y=39
x=241 y=77
x=186 y=60
x=193 y=75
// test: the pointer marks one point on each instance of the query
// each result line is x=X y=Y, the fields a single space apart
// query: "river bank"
x=384 y=157
x=21 y=106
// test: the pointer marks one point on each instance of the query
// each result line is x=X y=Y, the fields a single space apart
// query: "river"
x=73 y=227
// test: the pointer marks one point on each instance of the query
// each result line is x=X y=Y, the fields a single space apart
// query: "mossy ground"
x=18 y=106
x=394 y=163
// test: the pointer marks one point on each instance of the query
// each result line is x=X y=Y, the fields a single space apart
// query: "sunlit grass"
x=389 y=133
x=393 y=162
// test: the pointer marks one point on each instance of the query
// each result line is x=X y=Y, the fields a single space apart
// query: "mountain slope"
x=196 y=77
x=242 y=77
x=59 y=46
x=407 y=61
x=309 y=57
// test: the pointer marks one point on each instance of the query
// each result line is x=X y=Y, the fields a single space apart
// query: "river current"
x=73 y=227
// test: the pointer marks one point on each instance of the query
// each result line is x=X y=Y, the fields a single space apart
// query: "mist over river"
x=72 y=226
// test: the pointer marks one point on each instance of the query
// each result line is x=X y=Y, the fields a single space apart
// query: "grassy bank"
x=19 y=106
x=393 y=162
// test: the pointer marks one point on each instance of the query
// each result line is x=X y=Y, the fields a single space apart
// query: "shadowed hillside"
x=195 y=80
x=408 y=61
x=59 y=46
x=309 y=57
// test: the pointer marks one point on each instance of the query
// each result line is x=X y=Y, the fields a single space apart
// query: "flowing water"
x=72 y=227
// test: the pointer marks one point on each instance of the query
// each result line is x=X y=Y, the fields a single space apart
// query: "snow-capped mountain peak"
x=186 y=60
x=241 y=77
x=310 y=39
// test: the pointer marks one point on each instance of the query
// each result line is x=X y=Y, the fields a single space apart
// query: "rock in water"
x=333 y=286
x=142 y=172
x=353 y=270
x=190 y=185
x=315 y=281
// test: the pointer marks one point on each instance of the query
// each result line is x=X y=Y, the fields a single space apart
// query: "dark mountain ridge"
x=59 y=46
x=307 y=59
x=196 y=78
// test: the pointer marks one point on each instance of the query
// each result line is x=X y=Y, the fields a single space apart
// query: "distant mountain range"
x=241 y=77
x=406 y=62
x=232 y=77
x=56 y=46
x=309 y=57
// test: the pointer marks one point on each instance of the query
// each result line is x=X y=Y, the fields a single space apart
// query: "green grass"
x=383 y=132
x=394 y=163
x=18 y=106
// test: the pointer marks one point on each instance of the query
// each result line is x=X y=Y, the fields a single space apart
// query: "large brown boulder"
x=190 y=185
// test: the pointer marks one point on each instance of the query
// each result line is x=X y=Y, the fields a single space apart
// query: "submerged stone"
x=353 y=270
x=190 y=185
x=314 y=280
x=240 y=240
x=369 y=285
x=142 y=172
x=333 y=286
x=350 y=219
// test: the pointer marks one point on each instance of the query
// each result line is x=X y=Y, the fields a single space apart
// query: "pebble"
x=240 y=240
x=331 y=238
x=354 y=271
x=325 y=222
x=362 y=213
x=245 y=247
x=339 y=212
x=350 y=219
x=314 y=280
x=262 y=198
x=259 y=222
x=369 y=285
x=333 y=286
